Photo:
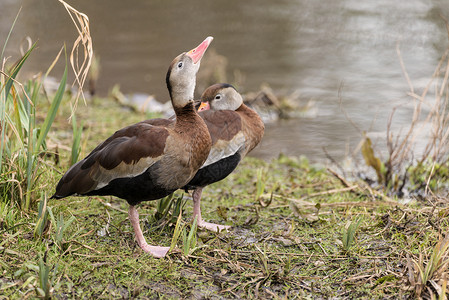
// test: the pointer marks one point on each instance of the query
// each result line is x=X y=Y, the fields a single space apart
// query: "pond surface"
x=327 y=51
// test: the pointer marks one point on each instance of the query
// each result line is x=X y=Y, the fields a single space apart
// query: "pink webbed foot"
x=196 y=195
x=156 y=251
x=213 y=227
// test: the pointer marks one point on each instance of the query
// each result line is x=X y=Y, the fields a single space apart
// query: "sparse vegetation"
x=282 y=252
x=403 y=169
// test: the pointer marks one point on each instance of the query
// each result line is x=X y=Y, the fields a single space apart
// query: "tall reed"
x=23 y=139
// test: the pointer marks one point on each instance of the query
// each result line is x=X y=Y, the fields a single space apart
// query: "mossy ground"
x=286 y=244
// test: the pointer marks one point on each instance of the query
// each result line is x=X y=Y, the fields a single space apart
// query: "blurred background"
x=339 y=57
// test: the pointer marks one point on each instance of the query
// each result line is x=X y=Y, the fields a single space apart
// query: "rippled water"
x=316 y=48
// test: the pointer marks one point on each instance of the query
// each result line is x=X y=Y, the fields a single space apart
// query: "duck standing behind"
x=235 y=130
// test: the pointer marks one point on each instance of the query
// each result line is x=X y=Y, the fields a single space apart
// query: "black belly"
x=214 y=172
x=135 y=189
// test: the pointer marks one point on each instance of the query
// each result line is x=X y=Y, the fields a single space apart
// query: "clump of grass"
x=169 y=208
x=23 y=139
x=38 y=277
x=60 y=226
x=8 y=215
x=431 y=175
x=431 y=275
x=45 y=288
x=189 y=241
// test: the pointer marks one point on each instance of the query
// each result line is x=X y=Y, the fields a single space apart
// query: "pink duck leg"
x=156 y=251
x=196 y=195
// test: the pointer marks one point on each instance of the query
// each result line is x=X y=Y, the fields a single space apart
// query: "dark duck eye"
x=180 y=65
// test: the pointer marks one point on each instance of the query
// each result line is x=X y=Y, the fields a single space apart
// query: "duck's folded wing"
x=225 y=128
x=127 y=153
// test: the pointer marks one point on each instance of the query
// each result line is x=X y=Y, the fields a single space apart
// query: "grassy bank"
x=299 y=230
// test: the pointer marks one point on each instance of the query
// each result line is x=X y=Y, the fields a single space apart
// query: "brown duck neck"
x=186 y=116
x=194 y=131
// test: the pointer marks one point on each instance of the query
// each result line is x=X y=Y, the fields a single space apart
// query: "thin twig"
x=107 y=204
x=302 y=202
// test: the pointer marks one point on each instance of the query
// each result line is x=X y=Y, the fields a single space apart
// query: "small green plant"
x=348 y=233
x=76 y=143
x=261 y=183
x=7 y=215
x=432 y=174
x=263 y=259
x=189 y=241
x=60 y=225
x=169 y=208
x=42 y=217
x=163 y=207
x=45 y=288
x=178 y=229
x=40 y=276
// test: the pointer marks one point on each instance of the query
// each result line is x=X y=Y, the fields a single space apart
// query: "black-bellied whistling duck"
x=150 y=159
x=235 y=130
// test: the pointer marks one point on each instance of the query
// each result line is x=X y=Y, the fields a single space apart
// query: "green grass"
x=299 y=231
x=289 y=221
x=23 y=137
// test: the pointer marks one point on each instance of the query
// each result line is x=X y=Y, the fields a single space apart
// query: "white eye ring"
x=180 y=65
x=218 y=97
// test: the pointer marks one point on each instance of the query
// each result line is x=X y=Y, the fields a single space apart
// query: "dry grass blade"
x=55 y=61
x=84 y=40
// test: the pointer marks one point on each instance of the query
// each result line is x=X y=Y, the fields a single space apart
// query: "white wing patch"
x=104 y=176
x=222 y=149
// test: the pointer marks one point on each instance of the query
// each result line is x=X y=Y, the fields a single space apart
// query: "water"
x=321 y=49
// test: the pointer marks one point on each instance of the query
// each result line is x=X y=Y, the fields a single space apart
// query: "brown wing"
x=131 y=130
x=225 y=128
x=252 y=127
x=127 y=153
